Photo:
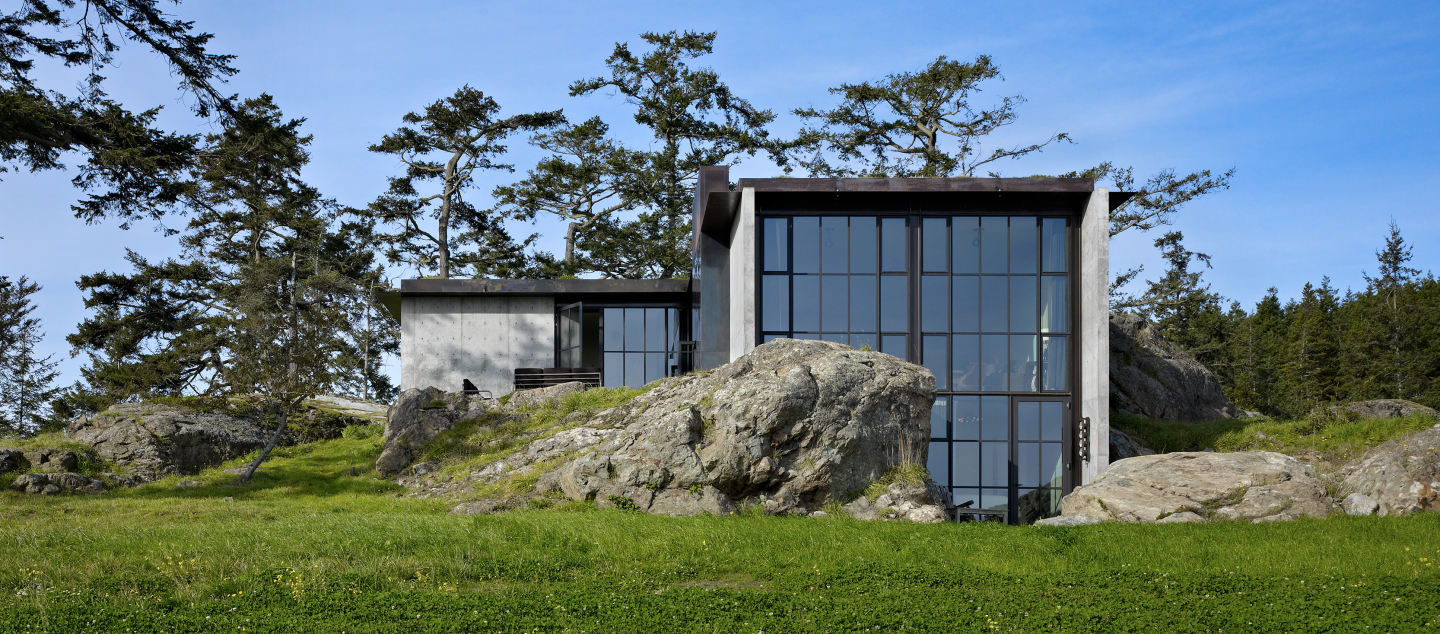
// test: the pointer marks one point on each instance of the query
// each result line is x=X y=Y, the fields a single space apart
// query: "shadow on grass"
x=342 y=467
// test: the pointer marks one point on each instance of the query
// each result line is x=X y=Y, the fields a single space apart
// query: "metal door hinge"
x=1085 y=438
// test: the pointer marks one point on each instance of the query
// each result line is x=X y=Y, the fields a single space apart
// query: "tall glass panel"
x=634 y=368
x=1028 y=464
x=894 y=345
x=995 y=464
x=862 y=245
x=994 y=363
x=933 y=355
x=775 y=300
x=614 y=329
x=834 y=243
x=806 y=303
x=634 y=329
x=965 y=370
x=862 y=304
x=1056 y=365
x=965 y=303
x=654 y=366
x=994 y=243
x=894 y=303
x=1054 y=307
x=967 y=417
x=1052 y=420
x=614 y=369
x=655 y=329
x=1022 y=303
x=1027 y=421
x=835 y=301
x=934 y=303
x=893 y=250
x=1022 y=363
x=933 y=252
x=936 y=462
x=966 y=245
x=1024 y=241
x=966 y=470
x=1052 y=245
x=806 y=245
x=938 y=418
x=994 y=418
x=994 y=303
x=775 y=238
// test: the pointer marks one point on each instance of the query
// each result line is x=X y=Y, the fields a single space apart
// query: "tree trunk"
x=290 y=374
x=269 y=446
x=570 y=242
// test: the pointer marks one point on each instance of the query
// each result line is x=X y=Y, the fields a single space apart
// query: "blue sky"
x=1326 y=109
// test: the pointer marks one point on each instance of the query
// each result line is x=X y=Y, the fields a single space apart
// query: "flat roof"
x=540 y=287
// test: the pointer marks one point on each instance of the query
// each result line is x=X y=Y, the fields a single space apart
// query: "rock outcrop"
x=52 y=460
x=12 y=460
x=792 y=426
x=154 y=440
x=418 y=416
x=1123 y=445
x=56 y=483
x=1255 y=486
x=1398 y=477
x=1383 y=408
x=1152 y=377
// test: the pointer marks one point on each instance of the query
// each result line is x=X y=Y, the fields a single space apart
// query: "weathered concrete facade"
x=444 y=340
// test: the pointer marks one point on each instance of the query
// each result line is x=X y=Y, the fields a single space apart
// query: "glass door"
x=1039 y=458
x=571 y=326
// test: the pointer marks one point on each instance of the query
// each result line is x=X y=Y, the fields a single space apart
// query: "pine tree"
x=1307 y=377
x=26 y=381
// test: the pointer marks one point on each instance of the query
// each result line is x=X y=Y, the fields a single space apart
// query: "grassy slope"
x=1328 y=442
x=311 y=547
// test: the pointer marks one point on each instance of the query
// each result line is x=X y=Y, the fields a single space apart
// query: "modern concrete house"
x=998 y=286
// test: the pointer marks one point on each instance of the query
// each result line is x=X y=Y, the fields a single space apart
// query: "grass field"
x=318 y=544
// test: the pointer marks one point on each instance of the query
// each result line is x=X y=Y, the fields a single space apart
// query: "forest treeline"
x=1287 y=358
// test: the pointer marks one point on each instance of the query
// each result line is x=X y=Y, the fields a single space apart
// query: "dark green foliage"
x=1323 y=348
x=180 y=326
x=26 y=381
x=444 y=147
x=897 y=126
x=133 y=170
x=696 y=121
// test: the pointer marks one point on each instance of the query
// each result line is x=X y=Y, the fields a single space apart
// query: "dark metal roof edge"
x=540 y=287
x=1065 y=185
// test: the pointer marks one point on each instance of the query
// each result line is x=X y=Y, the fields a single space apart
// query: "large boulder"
x=47 y=460
x=1123 y=445
x=1398 y=477
x=790 y=427
x=1255 y=486
x=1151 y=377
x=1382 y=408
x=154 y=440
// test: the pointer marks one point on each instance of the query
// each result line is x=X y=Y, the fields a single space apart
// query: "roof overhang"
x=716 y=205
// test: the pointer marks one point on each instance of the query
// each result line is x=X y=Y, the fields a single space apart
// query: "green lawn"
x=311 y=547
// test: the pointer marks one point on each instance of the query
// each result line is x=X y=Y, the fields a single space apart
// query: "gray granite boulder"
x=792 y=425
x=1123 y=445
x=1401 y=476
x=1256 y=486
x=1151 y=377
x=1359 y=504
x=54 y=483
x=154 y=440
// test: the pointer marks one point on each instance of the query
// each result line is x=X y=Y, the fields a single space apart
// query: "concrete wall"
x=444 y=340
x=712 y=331
x=1094 y=330
x=742 y=277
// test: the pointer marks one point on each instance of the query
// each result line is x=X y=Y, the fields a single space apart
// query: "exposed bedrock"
x=1398 y=477
x=1255 y=486
x=1151 y=377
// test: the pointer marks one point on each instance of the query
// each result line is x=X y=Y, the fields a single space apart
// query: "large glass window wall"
x=990 y=319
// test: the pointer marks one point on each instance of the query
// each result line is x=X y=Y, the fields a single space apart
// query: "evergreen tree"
x=1399 y=367
x=26 y=381
x=897 y=126
x=1255 y=348
x=1311 y=355
x=170 y=328
x=445 y=146
x=696 y=121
